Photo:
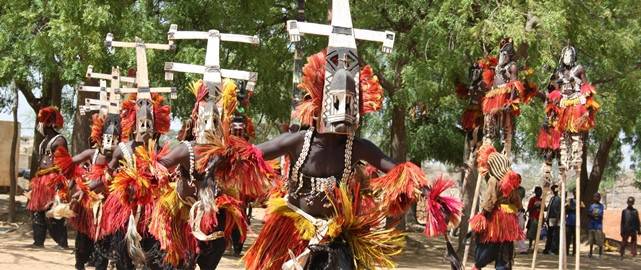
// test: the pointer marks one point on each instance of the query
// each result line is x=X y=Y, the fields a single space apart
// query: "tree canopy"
x=47 y=45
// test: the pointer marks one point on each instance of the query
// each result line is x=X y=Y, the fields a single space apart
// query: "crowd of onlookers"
x=629 y=230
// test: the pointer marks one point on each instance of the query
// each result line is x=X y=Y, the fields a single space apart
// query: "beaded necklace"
x=319 y=185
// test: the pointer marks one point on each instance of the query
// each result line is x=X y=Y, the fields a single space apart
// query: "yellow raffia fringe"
x=498 y=91
x=228 y=99
x=52 y=169
x=279 y=206
x=372 y=247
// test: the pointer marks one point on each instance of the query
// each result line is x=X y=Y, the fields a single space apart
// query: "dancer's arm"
x=368 y=151
x=176 y=157
x=83 y=156
x=283 y=144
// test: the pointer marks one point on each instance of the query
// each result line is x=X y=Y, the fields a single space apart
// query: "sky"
x=26 y=117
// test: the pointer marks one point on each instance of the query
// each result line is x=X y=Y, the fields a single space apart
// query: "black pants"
x=102 y=248
x=552 y=241
x=212 y=251
x=336 y=255
x=56 y=227
x=237 y=245
x=501 y=253
x=119 y=252
x=570 y=232
x=153 y=254
x=83 y=249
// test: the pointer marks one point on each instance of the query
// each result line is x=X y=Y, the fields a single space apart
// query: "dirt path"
x=419 y=253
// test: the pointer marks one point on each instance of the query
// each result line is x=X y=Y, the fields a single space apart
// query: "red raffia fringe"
x=370 y=90
x=501 y=227
x=440 y=209
x=509 y=183
x=42 y=193
x=483 y=156
x=170 y=226
x=472 y=118
x=488 y=64
x=244 y=169
x=83 y=221
x=400 y=186
x=271 y=248
x=234 y=217
x=549 y=138
x=64 y=161
x=51 y=116
x=115 y=215
x=504 y=97
x=98 y=123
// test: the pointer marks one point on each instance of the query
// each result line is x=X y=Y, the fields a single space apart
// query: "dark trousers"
x=552 y=242
x=625 y=243
x=119 y=251
x=501 y=253
x=570 y=232
x=237 y=245
x=102 y=248
x=57 y=229
x=153 y=254
x=212 y=251
x=83 y=249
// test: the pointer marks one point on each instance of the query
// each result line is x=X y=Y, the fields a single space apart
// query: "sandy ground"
x=419 y=253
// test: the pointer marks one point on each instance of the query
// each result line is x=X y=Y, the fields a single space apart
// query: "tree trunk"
x=598 y=167
x=12 y=162
x=35 y=154
x=470 y=186
x=81 y=126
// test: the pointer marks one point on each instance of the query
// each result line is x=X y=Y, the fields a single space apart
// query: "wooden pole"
x=562 y=257
x=539 y=225
x=577 y=225
x=475 y=200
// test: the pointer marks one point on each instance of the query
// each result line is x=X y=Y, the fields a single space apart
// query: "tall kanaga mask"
x=105 y=132
x=205 y=116
x=339 y=112
x=144 y=117
x=336 y=105
x=568 y=56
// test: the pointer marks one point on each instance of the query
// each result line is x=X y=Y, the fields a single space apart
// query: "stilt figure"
x=497 y=227
x=323 y=220
x=579 y=108
x=501 y=104
x=49 y=186
x=481 y=76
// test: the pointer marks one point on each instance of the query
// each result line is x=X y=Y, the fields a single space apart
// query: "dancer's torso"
x=46 y=152
x=569 y=85
x=502 y=74
x=321 y=171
